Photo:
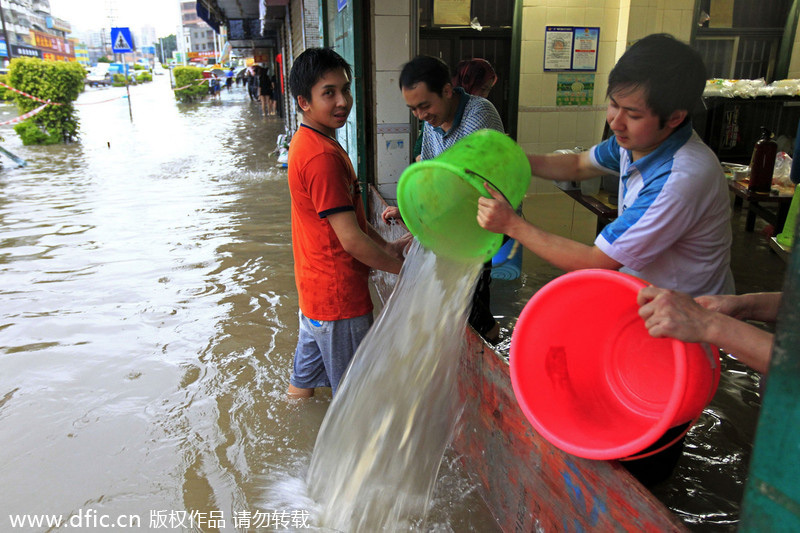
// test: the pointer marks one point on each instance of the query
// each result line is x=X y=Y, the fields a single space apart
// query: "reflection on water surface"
x=149 y=318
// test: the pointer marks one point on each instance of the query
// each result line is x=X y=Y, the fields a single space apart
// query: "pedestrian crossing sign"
x=121 y=41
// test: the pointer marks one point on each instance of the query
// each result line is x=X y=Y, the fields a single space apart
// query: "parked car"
x=99 y=75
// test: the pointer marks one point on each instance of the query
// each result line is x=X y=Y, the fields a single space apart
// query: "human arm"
x=495 y=214
x=363 y=246
x=761 y=306
x=564 y=167
x=675 y=314
x=394 y=248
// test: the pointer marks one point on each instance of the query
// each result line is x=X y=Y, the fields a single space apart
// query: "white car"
x=99 y=75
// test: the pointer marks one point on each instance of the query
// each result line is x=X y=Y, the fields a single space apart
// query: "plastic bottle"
x=762 y=163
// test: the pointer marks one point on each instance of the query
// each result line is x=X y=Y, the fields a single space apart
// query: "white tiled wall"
x=392 y=31
x=543 y=127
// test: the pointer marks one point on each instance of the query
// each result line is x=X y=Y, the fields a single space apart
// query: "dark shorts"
x=480 y=316
x=654 y=469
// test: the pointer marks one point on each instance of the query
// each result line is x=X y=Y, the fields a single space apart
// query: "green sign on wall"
x=574 y=89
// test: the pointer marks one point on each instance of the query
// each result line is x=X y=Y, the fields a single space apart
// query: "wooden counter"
x=761 y=204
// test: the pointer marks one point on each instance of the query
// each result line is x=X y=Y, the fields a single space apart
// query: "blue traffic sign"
x=121 y=41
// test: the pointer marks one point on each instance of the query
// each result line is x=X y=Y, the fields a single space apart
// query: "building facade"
x=29 y=30
x=198 y=37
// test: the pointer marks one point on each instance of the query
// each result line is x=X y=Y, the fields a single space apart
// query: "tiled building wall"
x=392 y=48
x=543 y=127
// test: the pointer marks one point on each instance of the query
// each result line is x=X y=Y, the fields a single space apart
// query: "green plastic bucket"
x=438 y=198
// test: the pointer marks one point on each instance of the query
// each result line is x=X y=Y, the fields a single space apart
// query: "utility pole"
x=5 y=32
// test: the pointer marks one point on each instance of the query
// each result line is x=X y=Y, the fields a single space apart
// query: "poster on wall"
x=574 y=89
x=558 y=48
x=571 y=48
x=584 y=48
x=451 y=12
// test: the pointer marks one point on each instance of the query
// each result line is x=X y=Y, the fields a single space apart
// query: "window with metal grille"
x=740 y=39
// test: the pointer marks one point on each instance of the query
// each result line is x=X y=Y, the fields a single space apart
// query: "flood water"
x=397 y=409
x=148 y=317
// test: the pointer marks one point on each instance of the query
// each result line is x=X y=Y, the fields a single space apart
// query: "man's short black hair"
x=432 y=70
x=671 y=73
x=312 y=65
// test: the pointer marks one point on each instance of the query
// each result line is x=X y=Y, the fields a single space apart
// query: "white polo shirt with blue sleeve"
x=673 y=229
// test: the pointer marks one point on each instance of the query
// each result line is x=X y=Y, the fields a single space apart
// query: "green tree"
x=55 y=81
x=104 y=59
x=169 y=44
x=119 y=80
x=5 y=94
x=187 y=81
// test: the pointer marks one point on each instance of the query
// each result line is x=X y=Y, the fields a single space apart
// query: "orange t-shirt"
x=331 y=283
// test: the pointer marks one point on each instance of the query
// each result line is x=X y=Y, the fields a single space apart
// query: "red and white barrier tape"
x=27 y=115
x=196 y=83
x=48 y=102
x=9 y=87
x=100 y=102
x=53 y=103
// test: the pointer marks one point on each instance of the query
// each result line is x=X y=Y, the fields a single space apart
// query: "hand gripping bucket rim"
x=438 y=197
x=603 y=388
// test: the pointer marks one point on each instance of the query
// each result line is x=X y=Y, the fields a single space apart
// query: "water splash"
x=381 y=443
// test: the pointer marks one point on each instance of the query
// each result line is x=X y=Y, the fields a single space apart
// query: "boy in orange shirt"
x=333 y=244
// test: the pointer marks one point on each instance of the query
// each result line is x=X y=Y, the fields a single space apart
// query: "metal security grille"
x=719 y=55
x=739 y=56
x=756 y=57
x=742 y=43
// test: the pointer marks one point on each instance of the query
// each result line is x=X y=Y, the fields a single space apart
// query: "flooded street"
x=149 y=317
x=148 y=321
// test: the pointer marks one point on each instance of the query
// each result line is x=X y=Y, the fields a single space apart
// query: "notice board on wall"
x=571 y=48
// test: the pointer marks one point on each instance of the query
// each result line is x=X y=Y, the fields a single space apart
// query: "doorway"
x=493 y=42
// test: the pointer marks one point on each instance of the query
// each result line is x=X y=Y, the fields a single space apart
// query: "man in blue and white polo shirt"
x=673 y=228
x=449 y=114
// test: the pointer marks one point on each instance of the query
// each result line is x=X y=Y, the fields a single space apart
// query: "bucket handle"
x=495 y=187
x=515 y=248
x=518 y=209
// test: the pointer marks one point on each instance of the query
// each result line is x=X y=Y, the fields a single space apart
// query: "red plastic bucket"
x=590 y=378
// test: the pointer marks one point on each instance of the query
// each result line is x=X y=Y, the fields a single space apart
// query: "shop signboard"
x=25 y=51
